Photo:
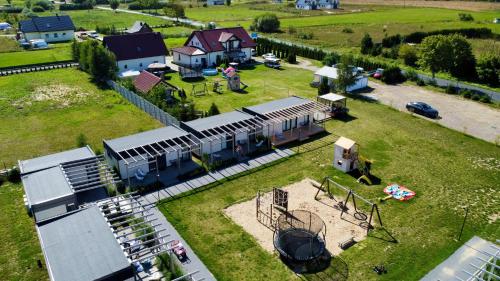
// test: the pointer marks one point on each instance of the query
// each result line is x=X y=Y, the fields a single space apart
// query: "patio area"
x=167 y=176
x=300 y=133
x=240 y=153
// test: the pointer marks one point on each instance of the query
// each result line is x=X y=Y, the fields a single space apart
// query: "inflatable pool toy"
x=209 y=72
x=398 y=192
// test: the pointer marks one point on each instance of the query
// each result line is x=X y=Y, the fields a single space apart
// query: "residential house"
x=215 y=2
x=140 y=157
x=317 y=4
x=139 y=27
x=207 y=48
x=331 y=74
x=56 y=28
x=59 y=183
x=293 y=118
x=137 y=50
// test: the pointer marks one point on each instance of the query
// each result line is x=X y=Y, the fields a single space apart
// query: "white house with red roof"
x=207 y=48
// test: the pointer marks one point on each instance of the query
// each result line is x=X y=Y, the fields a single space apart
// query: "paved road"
x=188 y=21
x=456 y=113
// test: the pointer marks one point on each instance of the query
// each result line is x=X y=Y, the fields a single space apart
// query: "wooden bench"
x=346 y=244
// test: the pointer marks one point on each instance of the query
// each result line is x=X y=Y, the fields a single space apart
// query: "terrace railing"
x=144 y=105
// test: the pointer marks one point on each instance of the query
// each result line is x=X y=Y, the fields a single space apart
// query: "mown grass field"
x=56 y=52
x=44 y=112
x=441 y=165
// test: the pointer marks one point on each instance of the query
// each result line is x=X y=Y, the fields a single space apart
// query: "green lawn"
x=441 y=165
x=56 y=52
x=44 y=112
x=265 y=84
x=20 y=247
x=9 y=45
x=90 y=19
x=175 y=42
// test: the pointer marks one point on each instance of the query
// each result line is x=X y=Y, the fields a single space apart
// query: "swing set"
x=328 y=185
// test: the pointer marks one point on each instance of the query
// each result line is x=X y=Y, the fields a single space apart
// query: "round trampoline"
x=300 y=235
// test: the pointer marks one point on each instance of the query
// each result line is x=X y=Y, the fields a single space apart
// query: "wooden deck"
x=300 y=133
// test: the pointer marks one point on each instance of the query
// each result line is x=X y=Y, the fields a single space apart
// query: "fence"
x=4 y=71
x=145 y=105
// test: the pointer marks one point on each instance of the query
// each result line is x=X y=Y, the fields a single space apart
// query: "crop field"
x=36 y=107
x=56 y=52
x=446 y=168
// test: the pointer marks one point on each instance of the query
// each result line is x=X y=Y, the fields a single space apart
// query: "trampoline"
x=300 y=235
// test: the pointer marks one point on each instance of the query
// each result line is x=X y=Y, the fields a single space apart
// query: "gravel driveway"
x=456 y=113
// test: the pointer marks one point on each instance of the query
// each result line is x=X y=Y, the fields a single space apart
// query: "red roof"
x=211 y=39
x=146 y=81
x=187 y=50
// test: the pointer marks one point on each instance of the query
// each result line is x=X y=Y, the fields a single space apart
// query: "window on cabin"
x=125 y=66
x=56 y=35
x=140 y=65
x=46 y=35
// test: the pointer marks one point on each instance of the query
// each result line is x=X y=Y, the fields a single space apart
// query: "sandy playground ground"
x=300 y=197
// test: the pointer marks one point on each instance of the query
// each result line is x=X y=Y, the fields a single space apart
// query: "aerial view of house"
x=271 y=141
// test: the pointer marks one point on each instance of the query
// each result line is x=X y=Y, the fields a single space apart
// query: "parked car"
x=94 y=35
x=378 y=73
x=272 y=63
x=268 y=56
x=423 y=109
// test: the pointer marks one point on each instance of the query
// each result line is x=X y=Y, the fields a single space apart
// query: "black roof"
x=136 y=45
x=46 y=24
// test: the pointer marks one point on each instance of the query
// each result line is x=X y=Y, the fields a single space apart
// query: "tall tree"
x=266 y=23
x=435 y=54
x=324 y=87
x=463 y=60
x=174 y=10
x=346 y=76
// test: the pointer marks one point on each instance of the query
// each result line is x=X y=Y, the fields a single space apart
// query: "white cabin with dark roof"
x=317 y=4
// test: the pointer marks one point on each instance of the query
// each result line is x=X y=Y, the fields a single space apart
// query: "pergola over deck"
x=89 y=173
x=134 y=227
x=223 y=128
x=147 y=147
x=284 y=110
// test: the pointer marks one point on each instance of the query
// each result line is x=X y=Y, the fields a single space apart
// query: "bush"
x=38 y=9
x=347 y=30
x=266 y=23
x=476 y=97
x=81 y=140
x=45 y=4
x=467 y=94
x=465 y=17
x=408 y=54
x=291 y=30
x=331 y=59
x=488 y=70
x=144 y=5
x=432 y=82
x=291 y=58
x=390 y=41
x=485 y=99
x=420 y=82
x=11 y=10
x=450 y=89
x=412 y=75
x=366 y=44
x=392 y=75
x=14 y=175
x=305 y=36
x=70 y=7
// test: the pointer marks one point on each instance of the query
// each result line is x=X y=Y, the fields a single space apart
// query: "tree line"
x=95 y=59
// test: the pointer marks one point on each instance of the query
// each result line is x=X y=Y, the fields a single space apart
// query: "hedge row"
x=282 y=50
x=417 y=37
x=82 y=6
x=11 y=10
x=140 y=6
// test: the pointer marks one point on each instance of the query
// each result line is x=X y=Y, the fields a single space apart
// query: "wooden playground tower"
x=327 y=186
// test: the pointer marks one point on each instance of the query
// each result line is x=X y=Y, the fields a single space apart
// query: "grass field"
x=9 y=45
x=46 y=111
x=96 y=17
x=57 y=52
x=441 y=165
x=20 y=247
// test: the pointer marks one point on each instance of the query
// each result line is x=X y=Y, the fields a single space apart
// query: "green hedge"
x=417 y=37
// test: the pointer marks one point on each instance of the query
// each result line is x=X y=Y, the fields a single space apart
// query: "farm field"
x=462 y=5
x=446 y=168
x=56 y=52
x=47 y=110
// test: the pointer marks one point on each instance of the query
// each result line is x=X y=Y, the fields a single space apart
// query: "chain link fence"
x=145 y=105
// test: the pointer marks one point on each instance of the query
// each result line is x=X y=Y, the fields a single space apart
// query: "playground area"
x=260 y=222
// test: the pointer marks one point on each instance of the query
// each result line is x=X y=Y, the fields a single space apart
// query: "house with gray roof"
x=56 y=28
x=137 y=157
x=292 y=118
x=230 y=134
x=59 y=183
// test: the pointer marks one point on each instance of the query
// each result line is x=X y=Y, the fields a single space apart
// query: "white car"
x=268 y=56
x=94 y=35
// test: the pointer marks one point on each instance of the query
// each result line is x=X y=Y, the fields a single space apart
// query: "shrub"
x=38 y=9
x=347 y=30
x=450 y=89
x=412 y=75
x=420 y=82
x=213 y=110
x=291 y=30
x=467 y=94
x=408 y=54
x=14 y=175
x=331 y=59
x=392 y=75
x=465 y=17
x=82 y=6
x=432 y=82
x=390 y=41
x=45 y=4
x=476 y=97
x=488 y=70
x=11 y=10
x=291 y=58
x=81 y=140
x=266 y=23
x=485 y=99
x=366 y=44
x=305 y=36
